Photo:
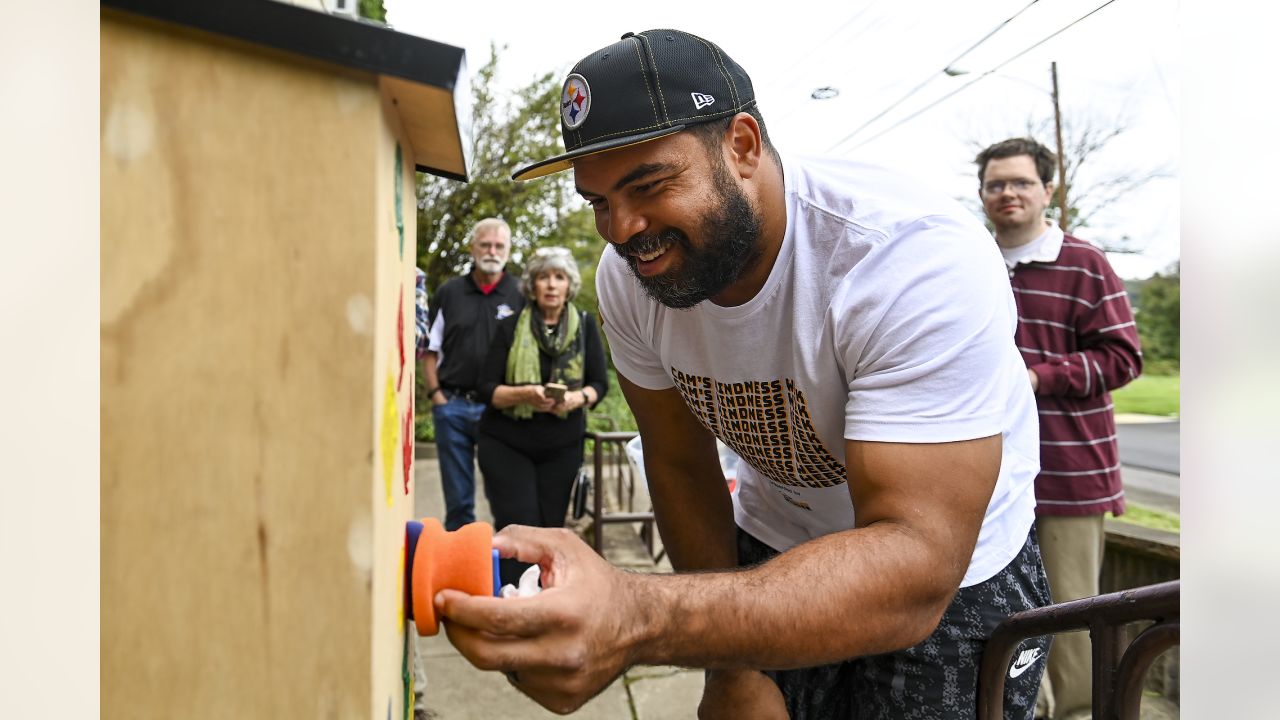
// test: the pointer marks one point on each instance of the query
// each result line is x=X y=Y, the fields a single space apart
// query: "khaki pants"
x=1072 y=552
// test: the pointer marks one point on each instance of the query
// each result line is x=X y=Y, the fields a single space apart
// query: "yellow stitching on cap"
x=708 y=118
x=698 y=119
x=733 y=88
x=656 y=78
x=656 y=126
x=646 y=85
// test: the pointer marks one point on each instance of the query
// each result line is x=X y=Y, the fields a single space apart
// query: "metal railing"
x=1118 y=672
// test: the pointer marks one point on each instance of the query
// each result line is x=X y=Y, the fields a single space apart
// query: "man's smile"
x=653 y=255
x=652 y=263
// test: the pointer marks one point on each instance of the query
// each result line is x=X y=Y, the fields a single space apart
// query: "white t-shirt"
x=887 y=316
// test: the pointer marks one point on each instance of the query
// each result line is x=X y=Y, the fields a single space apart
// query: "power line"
x=815 y=48
x=788 y=76
x=969 y=84
x=933 y=75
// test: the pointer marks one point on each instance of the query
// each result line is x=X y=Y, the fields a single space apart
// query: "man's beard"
x=730 y=245
x=491 y=266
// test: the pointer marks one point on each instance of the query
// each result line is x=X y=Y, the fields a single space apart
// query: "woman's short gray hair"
x=545 y=260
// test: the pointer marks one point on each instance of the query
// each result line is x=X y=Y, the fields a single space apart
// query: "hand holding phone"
x=555 y=391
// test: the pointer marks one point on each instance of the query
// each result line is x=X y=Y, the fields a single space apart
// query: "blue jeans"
x=457 y=424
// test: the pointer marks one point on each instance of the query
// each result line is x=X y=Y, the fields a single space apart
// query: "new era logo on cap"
x=643 y=87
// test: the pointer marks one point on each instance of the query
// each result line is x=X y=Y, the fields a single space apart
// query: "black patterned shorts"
x=937 y=678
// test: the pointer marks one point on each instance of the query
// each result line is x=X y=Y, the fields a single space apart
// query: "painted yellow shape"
x=390 y=436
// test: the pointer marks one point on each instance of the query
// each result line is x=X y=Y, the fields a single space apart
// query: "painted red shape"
x=400 y=335
x=407 y=447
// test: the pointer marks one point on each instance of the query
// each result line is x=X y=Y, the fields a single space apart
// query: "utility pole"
x=1062 y=173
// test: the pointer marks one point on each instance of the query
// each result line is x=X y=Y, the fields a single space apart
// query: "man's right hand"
x=564 y=645
x=438 y=398
x=741 y=694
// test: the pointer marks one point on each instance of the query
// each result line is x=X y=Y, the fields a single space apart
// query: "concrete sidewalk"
x=458 y=691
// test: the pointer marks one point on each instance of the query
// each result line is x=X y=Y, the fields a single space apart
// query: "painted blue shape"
x=497 y=579
x=412 y=531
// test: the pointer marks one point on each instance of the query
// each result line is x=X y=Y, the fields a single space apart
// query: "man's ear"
x=744 y=145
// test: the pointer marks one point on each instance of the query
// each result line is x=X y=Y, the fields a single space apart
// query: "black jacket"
x=470 y=320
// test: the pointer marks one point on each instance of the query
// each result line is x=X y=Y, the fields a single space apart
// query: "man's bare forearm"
x=844 y=595
x=877 y=588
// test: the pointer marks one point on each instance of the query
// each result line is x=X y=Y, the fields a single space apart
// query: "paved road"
x=1150 y=446
x=1149 y=453
x=1156 y=490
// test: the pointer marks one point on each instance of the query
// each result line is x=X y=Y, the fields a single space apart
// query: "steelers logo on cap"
x=575 y=101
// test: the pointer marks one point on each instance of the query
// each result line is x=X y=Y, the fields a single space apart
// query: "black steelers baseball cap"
x=645 y=86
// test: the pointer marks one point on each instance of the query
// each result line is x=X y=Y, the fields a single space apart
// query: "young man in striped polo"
x=1077 y=336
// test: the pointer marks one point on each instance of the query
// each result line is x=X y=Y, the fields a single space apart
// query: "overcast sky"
x=1118 y=64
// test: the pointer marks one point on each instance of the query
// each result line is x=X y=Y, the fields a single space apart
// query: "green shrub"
x=423 y=429
x=612 y=414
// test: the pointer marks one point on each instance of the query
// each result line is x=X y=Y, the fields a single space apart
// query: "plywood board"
x=247 y=314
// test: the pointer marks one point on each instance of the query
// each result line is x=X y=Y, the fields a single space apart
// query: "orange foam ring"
x=458 y=560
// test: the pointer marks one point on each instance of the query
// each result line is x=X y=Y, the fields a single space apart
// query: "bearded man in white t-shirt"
x=850 y=335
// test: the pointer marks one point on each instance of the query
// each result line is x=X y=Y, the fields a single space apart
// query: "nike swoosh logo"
x=1020 y=667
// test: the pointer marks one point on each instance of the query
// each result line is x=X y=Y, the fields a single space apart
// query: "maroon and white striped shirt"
x=1076 y=330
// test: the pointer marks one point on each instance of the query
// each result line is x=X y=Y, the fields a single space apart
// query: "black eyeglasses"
x=995 y=187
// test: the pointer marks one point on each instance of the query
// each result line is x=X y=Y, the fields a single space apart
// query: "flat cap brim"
x=565 y=161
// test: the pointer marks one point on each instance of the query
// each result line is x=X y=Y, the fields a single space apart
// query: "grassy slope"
x=1150 y=395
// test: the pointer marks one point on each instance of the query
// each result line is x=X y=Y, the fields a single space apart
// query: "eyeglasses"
x=995 y=187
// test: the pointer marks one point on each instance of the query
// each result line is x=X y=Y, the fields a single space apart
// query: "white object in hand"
x=528 y=584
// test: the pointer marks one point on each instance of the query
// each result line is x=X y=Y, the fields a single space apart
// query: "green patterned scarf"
x=565 y=347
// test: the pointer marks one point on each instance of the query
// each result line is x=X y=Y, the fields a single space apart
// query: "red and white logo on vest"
x=575 y=101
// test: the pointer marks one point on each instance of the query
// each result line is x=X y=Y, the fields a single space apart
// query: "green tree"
x=511 y=129
x=1086 y=139
x=373 y=10
x=1159 y=321
x=508 y=130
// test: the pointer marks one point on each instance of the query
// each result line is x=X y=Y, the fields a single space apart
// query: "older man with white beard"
x=465 y=313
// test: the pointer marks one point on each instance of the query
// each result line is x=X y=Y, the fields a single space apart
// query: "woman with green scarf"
x=545 y=367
